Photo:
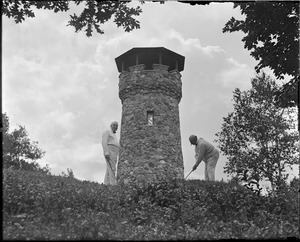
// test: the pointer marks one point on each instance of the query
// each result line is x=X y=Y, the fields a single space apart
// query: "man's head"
x=114 y=126
x=193 y=139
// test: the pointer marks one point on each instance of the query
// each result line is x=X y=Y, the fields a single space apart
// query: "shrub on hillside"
x=169 y=209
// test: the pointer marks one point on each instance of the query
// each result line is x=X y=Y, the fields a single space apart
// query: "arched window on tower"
x=150 y=118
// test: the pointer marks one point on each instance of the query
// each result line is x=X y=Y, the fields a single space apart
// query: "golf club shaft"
x=189 y=174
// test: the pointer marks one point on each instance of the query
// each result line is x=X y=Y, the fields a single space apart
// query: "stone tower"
x=150 y=91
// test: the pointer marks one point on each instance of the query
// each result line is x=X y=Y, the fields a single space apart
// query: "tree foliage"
x=272 y=36
x=19 y=152
x=164 y=210
x=69 y=173
x=258 y=137
x=94 y=14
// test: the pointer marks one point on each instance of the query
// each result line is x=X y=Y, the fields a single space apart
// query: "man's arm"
x=105 y=137
x=200 y=150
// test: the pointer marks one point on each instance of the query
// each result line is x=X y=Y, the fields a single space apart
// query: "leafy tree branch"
x=93 y=16
x=272 y=36
x=258 y=138
x=19 y=152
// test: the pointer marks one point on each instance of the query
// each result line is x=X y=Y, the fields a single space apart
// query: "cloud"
x=193 y=43
x=84 y=156
x=237 y=75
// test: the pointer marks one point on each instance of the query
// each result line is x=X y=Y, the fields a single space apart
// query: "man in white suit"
x=111 y=148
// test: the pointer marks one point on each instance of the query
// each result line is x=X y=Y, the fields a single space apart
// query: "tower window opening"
x=150 y=118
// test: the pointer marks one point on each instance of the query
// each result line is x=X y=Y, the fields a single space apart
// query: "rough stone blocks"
x=150 y=149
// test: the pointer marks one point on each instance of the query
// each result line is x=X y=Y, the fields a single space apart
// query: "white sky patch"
x=199 y=106
x=237 y=75
x=60 y=127
x=191 y=43
x=63 y=120
x=209 y=50
x=78 y=156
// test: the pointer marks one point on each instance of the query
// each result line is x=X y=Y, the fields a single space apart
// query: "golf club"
x=188 y=174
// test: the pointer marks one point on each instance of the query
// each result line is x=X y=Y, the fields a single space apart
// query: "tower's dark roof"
x=149 y=56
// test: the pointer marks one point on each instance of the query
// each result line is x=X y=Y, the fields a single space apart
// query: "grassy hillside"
x=37 y=206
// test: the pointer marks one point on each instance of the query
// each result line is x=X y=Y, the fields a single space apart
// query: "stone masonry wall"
x=150 y=152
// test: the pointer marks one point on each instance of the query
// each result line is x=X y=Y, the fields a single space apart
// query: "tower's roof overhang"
x=149 y=56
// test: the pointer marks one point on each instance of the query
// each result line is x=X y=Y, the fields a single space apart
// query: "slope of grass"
x=37 y=206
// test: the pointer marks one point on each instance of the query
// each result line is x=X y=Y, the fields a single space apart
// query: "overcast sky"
x=63 y=86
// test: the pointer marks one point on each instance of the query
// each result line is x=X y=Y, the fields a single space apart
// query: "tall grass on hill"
x=38 y=206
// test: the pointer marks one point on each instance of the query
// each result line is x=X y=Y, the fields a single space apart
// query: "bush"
x=36 y=206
